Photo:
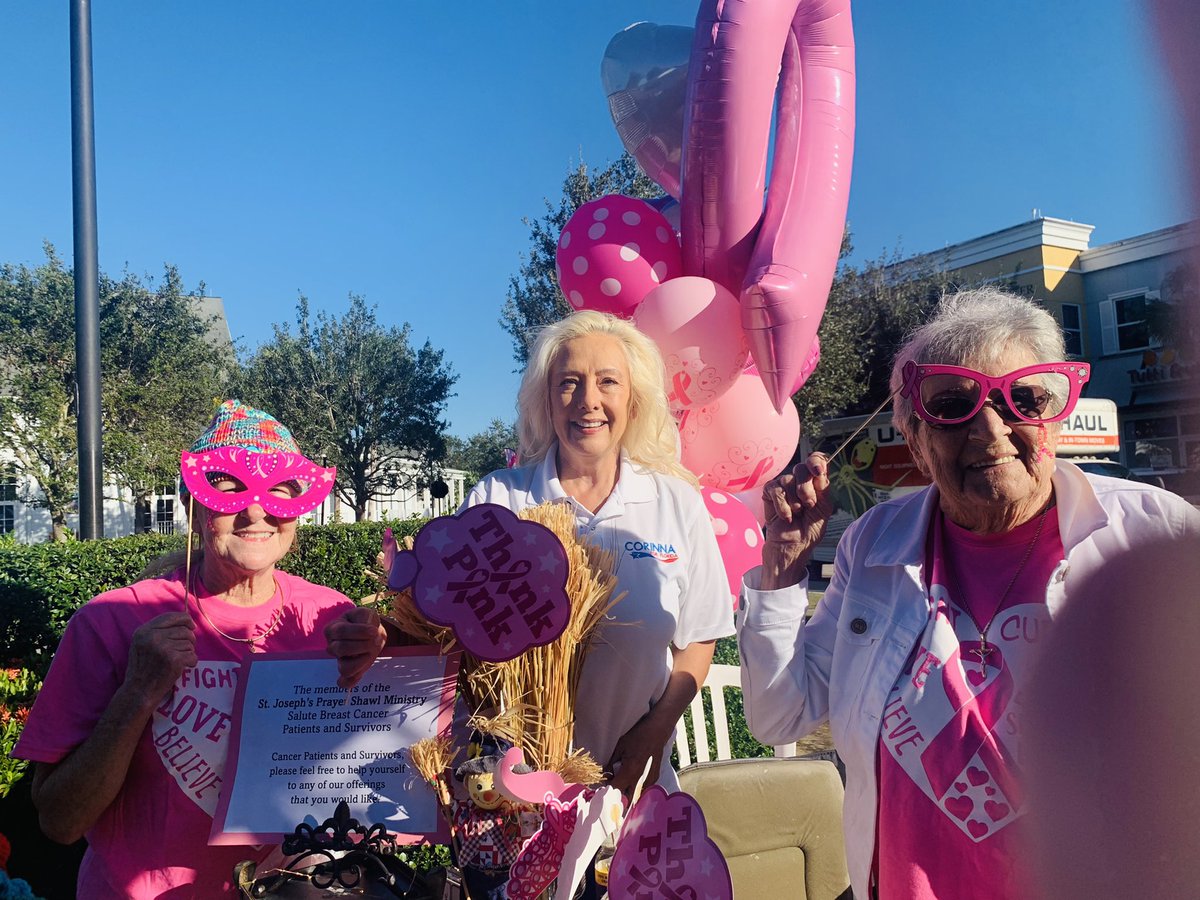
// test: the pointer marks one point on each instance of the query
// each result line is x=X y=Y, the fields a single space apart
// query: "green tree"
x=158 y=374
x=358 y=396
x=533 y=298
x=482 y=452
x=163 y=372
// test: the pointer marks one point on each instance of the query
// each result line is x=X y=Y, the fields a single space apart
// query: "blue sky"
x=391 y=149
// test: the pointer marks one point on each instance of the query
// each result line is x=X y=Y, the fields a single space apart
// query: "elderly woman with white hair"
x=919 y=652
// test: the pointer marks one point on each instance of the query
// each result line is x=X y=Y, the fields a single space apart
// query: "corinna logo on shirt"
x=664 y=553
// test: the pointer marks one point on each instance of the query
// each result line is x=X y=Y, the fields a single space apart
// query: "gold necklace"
x=984 y=650
x=252 y=641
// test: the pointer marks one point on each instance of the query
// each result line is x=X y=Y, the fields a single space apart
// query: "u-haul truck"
x=877 y=466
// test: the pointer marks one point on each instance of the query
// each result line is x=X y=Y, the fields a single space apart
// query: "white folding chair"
x=719 y=678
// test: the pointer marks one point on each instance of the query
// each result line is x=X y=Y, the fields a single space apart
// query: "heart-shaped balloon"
x=644 y=73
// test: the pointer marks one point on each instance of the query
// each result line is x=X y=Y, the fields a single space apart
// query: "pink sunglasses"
x=952 y=395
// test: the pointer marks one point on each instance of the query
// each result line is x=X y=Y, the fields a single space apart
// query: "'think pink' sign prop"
x=497 y=580
x=665 y=851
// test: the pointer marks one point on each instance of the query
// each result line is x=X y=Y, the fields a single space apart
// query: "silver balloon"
x=644 y=73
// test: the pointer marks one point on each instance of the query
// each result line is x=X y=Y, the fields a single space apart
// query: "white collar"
x=635 y=484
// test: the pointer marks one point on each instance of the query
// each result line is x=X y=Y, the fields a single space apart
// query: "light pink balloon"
x=739 y=442
x=779 y=261
x=612 y=252
x=695 y=323
x=753 y=501
x=739 y=537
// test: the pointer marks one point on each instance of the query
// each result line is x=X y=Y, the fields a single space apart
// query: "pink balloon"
x=753 y=501
x=694 y=321
x=779 y=262
x=739 y=537
x=612 y=252
x=810 y=365
x=739 y=442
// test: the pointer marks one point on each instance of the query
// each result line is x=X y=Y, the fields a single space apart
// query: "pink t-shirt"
x=949 y=774
x=152 y=841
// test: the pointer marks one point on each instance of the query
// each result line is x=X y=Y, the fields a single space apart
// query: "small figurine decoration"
x=487 y=825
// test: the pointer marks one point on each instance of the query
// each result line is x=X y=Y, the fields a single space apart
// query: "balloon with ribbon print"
x=779 y=261
x=613 y=251
x=644 y=74
x=739 y=442
x=694 y=321
x=739 y=535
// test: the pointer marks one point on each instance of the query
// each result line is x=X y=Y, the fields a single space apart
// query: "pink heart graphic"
x=990 y=791
x=995 y=810
x=960 y=807
x=976 y=776
x=976 y=677
x=977 y=829
x=960 y=786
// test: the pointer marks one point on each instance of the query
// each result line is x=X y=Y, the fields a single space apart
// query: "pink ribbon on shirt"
x=971 y=728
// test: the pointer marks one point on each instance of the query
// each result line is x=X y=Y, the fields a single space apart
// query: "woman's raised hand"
x=161 y=649
x=797 y=505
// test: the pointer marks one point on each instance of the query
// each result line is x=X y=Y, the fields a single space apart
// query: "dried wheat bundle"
x=540 y=685
x=431 y=757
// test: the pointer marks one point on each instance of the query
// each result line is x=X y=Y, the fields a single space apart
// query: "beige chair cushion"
x=778 y=823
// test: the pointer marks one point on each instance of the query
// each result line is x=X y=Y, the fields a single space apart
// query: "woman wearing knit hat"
x=131 y=730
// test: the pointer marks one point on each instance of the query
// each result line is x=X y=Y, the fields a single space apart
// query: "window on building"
x=8 y=485
x=1072 y=327
x=8 y=501
x=164 y=509
x=1123 y=323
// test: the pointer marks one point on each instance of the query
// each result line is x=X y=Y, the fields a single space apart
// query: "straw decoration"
x=530 y=700
x=539 y=686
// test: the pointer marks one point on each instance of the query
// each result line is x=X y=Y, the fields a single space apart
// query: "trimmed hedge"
x=41 y=585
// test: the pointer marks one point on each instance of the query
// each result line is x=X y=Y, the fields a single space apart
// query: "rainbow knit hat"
x=238 y=425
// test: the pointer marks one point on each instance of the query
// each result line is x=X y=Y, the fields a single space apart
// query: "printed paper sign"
x=302 y=744
x=498 y=581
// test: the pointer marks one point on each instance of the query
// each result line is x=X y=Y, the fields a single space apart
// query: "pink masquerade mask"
x=262 y=474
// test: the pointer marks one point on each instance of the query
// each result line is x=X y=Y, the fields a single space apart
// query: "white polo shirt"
x=659 y=532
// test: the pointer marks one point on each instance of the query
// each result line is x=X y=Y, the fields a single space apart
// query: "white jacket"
x=841 y=665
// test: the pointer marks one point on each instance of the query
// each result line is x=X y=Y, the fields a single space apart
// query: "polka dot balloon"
x=612 y=252
x=739 y=537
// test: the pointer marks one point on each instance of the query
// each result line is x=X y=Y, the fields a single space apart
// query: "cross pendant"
x=983 y=651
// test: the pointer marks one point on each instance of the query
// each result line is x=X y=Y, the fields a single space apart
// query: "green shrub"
x=18 y=688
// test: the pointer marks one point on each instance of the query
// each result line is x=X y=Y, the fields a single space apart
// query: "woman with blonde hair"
x=595 y=432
